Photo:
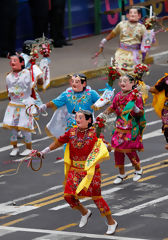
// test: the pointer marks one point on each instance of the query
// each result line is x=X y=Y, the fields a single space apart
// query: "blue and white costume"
x=67 y=103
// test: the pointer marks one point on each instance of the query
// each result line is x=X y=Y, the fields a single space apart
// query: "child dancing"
x=129 y=126
x=84 y=152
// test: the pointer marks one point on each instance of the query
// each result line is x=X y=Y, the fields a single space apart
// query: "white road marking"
x=14 y=210
x=153 y=122
x=149 y=109
x=21 y=144
x=4 y=232
x=64 y=233
x=160 y=58
x=59 y=161
x=34 y=195
x=152 y=134
x=3 y=182
x=144 y=205
x=30 y=216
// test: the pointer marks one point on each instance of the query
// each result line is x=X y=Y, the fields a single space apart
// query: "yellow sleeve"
x=117 y=29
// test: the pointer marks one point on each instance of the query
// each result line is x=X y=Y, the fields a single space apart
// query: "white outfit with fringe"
x=19 y=86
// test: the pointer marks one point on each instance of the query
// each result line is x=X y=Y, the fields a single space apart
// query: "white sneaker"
x=84 y=219
x=14 y=152
x=25 y=152
x=111 y=228
x=120 y=178
x=20 y=135
x=137 y=175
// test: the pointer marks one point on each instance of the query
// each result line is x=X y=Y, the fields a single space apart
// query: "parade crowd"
x=74 y=124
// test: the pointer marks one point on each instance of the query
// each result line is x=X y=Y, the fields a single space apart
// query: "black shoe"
x=66 y=43
x=58 y=44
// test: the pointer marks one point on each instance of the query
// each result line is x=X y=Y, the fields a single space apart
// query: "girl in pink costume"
x=127 y=135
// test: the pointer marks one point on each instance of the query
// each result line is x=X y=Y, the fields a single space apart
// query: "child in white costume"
x=40 y=71
x=19 y=87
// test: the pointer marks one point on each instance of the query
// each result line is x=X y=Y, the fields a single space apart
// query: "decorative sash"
x=98 y=154
x=133 y=48
x=138 y=124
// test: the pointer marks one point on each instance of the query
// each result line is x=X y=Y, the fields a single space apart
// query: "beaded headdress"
x=86 y=112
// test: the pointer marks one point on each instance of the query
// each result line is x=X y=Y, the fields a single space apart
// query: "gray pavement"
x=77 y=58
x=35 y=208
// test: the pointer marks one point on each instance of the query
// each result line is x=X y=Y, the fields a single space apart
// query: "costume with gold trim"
x=84 y=152
x=66 y=104
x=128 y=54
x=19 y=86
x=129 y=126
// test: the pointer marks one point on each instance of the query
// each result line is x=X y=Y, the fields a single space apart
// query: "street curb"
x=160 y=57
x=92 y=73
x=89 y=74
x=61 y=80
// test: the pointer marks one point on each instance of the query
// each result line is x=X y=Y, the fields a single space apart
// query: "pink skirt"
x=122 y=142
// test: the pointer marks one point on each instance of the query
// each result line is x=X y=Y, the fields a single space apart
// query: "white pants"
x=14 y=136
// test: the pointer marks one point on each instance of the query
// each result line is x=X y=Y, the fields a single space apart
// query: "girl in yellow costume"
x=160 y=102
x=83 y=154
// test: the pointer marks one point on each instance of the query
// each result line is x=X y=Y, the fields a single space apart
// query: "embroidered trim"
x=18 y=128
x=18 y=105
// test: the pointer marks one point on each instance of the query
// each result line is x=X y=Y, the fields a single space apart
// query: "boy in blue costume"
x=78 y=96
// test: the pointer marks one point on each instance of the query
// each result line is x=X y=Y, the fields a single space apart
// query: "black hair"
x=131 y=78
x=135 y=7
x=27 y=46
x=82 y=77
x=87 y=115
x=21 y=59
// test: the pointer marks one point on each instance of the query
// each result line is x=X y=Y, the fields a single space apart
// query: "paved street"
x=32 y=204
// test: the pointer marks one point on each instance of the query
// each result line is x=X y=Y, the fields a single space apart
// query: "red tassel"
x=33 y=95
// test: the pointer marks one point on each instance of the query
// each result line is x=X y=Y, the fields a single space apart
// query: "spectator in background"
x=8 y=13
x=39 y=11
x=56 y=19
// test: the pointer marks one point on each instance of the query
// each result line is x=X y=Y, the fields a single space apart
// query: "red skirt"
x=74 y=178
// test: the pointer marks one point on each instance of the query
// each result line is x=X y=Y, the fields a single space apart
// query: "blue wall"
x=82 y=15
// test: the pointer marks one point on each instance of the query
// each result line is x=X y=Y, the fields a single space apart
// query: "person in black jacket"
x=39 y=12
x=8 y=13
x=56 y=19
